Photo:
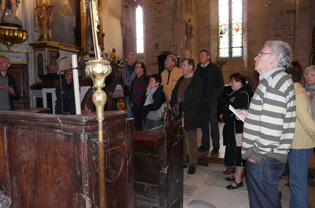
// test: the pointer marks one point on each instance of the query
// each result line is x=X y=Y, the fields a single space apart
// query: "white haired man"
x=269 y=125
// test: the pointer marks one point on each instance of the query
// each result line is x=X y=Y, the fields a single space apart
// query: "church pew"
x=159 y=166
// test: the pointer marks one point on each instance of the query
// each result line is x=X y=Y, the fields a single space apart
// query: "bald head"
x=4 y=65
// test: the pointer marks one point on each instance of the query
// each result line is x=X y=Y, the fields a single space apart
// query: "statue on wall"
x=12 y=5
x=44 y=18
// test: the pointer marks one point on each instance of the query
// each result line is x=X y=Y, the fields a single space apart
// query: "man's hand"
x=148 y=90
x=2 y=86
x=241 y=113
x=251 y=160
x=11 y=90
x=167 y=98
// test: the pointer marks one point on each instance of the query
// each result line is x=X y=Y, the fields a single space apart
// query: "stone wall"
x=184 y=27
x=168 y=26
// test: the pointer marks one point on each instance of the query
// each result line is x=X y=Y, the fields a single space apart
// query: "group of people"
x=269 y=127
x=196 y=89
x=278 y=127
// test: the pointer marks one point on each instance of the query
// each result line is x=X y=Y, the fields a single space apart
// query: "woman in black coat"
x=233 y=129
x=152 y=103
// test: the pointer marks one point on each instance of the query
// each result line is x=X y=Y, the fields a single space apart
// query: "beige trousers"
x=191 y=147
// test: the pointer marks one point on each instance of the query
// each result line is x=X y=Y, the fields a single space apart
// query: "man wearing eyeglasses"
x=269 y=125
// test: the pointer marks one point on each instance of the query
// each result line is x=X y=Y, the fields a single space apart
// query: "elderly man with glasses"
x=269 y=125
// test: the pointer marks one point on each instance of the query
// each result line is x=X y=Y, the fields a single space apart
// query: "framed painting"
x=36 y=28
x=86 y=35
x=66 y=25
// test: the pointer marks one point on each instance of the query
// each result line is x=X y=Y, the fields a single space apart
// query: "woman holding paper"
x=233 y=128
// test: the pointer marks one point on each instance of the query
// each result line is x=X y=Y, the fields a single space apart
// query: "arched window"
x=139 y=30
x=230 y=28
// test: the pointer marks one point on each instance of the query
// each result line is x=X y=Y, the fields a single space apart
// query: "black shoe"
x=214 y=151
x=191 y=171
x=202 y=149
x=231 y=178
x=185 y=166
x=238 y=185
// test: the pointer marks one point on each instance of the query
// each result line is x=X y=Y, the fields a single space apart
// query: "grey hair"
x=133 y=54
x=174 y=59
x=283 y=50
x=310 y=68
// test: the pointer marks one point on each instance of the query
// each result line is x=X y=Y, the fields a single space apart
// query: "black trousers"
x=136 y=111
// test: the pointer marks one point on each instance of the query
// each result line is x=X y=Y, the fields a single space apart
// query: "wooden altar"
x=51 y=160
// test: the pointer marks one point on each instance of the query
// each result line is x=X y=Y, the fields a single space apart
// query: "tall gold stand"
x=98 y=70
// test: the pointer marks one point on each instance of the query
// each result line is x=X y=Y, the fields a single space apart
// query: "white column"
x=76 y=86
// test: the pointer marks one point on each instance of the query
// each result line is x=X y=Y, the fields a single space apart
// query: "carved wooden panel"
x=51 y=160
x=159 y=167
x=20 y=74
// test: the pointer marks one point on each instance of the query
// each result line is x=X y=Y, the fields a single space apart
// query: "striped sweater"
x=270 y=123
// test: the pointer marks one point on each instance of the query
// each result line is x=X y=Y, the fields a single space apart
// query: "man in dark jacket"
x=212 y=77
x=189 y=90
x=8 y=88
x=127 y=76
x=65 y=96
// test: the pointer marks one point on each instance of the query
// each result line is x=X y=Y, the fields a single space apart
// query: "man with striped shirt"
x=269 y=125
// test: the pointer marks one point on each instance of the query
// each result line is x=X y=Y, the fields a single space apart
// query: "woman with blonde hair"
x=310 y=86
x=303 y=141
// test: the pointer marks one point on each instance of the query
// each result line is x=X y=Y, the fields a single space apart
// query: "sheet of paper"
x=234 y=111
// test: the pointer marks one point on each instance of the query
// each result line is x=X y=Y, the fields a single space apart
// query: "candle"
x=76 y=86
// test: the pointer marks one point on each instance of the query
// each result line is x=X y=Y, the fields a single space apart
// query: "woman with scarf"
x=153 y=100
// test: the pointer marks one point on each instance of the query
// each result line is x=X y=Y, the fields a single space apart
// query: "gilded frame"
x=84 y=23
x=36 y=28
x=21 y=57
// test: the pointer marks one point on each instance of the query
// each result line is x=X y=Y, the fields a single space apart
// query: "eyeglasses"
x=262 y=53
x=311 y=75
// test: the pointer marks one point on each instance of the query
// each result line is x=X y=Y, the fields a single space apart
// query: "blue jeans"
x=129 y=111
x=210 y=114
x=263 y=182
x=298 y=172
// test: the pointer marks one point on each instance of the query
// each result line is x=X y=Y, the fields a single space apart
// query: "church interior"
x=41 y=152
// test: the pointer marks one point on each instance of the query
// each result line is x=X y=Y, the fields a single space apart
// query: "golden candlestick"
x=98 y=70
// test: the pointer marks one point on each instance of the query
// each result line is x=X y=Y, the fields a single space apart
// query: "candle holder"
x=98 y=70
